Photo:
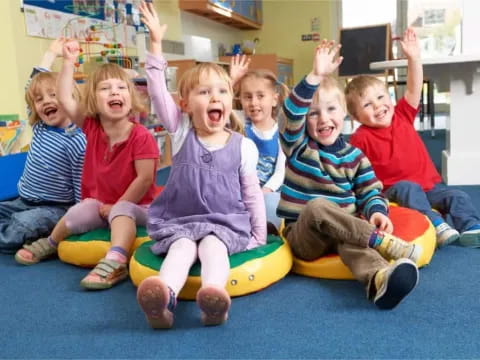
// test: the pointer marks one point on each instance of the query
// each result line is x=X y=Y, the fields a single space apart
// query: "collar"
x=338 y=145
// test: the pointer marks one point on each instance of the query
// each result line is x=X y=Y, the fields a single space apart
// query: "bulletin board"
x=115 y=20
x=363 y=45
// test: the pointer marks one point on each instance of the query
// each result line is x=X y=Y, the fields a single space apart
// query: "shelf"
x=218 y=13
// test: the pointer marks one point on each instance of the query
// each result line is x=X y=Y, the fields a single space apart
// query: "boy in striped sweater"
x=50 y=182
x=328 y=183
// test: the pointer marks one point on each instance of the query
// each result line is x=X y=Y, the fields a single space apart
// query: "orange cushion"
x=409 y=225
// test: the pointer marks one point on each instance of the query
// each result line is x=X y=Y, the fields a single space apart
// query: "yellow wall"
x=20 y=53
x=284 y=22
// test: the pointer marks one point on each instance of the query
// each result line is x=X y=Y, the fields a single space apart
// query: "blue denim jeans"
x=448 y=201
x=22 y=223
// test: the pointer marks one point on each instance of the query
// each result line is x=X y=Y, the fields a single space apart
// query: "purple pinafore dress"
x=202 y=197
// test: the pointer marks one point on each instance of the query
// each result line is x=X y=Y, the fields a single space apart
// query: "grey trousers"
x=323 y=227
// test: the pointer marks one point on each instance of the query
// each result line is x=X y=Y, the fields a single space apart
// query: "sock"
x=118 y=254
x=437 y=221
x=52 y=242
x=375 y=239
x=172 y=302
x=474 y=227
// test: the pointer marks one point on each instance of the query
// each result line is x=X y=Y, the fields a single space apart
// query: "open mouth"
x=215 y=115
x=325 y=131
x=381 y=115
x=50 y=110
x=115 y=104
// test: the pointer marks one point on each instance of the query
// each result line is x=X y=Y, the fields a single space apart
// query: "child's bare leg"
x=156 y=295
x=213 y=300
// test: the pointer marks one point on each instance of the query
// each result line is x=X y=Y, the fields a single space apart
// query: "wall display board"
x=97 y=21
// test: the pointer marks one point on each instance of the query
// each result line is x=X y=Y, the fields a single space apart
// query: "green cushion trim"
x=102 y=235
x=144 y=256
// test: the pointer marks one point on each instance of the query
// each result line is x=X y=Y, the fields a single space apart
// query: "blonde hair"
x=105 y=72
x=330 y=84
x=356 y=88
x=191 y=78
x=278 y=87
x=39 y=81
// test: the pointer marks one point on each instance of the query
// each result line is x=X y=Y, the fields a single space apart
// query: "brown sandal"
x=35 y=252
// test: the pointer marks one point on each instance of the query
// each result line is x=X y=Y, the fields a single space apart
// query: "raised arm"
x=156 y=30
x=54 y=50
x=167 y=111
x=71 y=49
x=238 y=67
x=291 y=118
x=411 y=48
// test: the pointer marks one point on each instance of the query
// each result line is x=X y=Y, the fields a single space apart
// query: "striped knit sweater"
x=339 y=172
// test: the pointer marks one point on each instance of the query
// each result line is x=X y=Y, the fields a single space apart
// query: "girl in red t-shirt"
x=118 y=180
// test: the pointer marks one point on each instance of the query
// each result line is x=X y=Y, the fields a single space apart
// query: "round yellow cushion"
x=250 y=270
x=88 y=248
x=409 y=225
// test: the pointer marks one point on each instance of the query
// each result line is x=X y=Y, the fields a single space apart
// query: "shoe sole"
x=153 y=297
x=401 y=281
x=214 y=303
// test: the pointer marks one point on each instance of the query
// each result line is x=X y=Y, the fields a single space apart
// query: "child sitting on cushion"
x=212 y=204
x=118 y=181
x=50 y=182
x=328 y=183
x=399 y=157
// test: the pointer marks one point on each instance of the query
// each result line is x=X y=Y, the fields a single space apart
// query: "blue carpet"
x=45 y=314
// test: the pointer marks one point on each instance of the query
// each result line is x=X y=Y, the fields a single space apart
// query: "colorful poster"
x=114 y=21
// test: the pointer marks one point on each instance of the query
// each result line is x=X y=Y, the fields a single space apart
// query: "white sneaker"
x=446 y=234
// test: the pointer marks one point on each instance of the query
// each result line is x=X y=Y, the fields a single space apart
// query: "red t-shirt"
x=108 y=173
x=397 y=152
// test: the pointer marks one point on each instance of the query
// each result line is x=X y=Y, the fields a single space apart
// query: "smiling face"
x=374 y=107
x=326 y=115
x=113 y=99
x=258 y=98
x=209 y=103
x=45 y=104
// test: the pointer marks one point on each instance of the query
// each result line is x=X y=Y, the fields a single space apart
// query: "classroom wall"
x=284 y=22
x=281 y=34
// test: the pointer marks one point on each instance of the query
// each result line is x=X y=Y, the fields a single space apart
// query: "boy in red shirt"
x=399 y=157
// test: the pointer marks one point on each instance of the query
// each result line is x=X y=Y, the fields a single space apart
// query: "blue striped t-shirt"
x=53 y=169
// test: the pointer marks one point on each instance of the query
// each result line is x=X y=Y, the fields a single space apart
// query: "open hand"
x=410 y=44
x=239 y=66
x=56 y=46
x=150 y=19
x=325 y=60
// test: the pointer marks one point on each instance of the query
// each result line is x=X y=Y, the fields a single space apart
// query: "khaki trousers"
x=323 y=227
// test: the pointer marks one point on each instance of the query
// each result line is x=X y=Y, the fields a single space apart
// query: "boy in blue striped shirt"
x=50 y=182
x=328 y=183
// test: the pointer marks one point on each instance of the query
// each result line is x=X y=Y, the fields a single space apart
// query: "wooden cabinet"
x=281 y=67
x=242 y=14
x=184 y=65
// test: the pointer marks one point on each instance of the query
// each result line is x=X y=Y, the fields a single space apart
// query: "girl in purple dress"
x=212 y=205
